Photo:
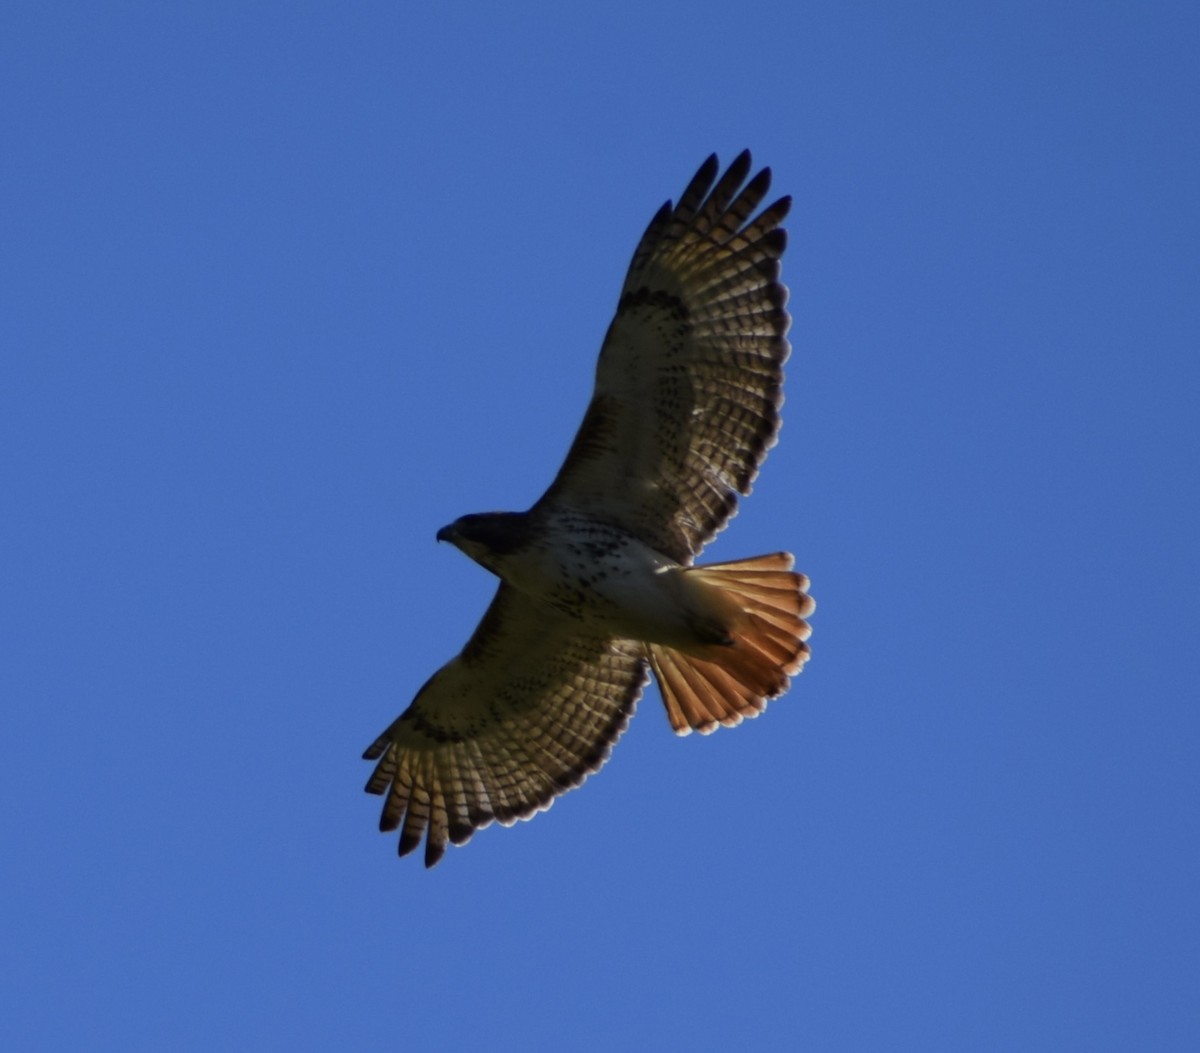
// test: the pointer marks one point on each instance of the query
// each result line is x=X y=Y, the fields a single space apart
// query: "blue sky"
x=285 y=288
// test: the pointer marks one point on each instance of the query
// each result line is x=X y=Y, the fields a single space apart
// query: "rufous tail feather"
x=722 y=684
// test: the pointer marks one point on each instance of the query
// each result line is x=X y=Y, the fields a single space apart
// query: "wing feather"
x=526 y=712
x=689 y=382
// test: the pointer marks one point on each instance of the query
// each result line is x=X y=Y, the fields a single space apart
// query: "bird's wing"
x=688 y=386
x=526 y=712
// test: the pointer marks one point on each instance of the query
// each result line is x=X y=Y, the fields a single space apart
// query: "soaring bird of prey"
x=597 y=581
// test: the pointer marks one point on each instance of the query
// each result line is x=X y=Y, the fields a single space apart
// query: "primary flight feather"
x=597 y=582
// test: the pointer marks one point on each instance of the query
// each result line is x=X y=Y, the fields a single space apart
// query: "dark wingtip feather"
x=434 y=850
x=759 y=185
x=774 y=242
x=740 y=167
x=660 y=217
x=460 y=833
x=696 y=191
x=410 y=836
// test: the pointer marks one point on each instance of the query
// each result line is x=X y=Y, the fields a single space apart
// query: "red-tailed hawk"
x=597 y=585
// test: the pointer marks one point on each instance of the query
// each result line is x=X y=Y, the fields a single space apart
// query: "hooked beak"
x=446 y=533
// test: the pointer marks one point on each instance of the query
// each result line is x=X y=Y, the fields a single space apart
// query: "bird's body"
x=594 y=573
x=598 y=581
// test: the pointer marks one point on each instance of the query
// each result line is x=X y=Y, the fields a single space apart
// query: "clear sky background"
x=286 y=287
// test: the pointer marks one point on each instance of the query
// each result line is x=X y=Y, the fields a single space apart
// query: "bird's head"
x=487 y=537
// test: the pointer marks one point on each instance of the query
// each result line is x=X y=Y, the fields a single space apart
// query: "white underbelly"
x=617 y=585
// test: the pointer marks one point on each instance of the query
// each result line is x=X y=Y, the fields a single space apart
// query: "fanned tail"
x=722 y=684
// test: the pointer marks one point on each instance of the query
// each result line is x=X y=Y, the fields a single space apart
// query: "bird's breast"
x=606 y=579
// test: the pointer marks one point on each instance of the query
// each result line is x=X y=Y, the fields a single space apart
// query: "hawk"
x=597 y=582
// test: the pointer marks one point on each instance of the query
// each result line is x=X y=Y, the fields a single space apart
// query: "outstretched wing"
x=688 y=387
x=526 y=712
